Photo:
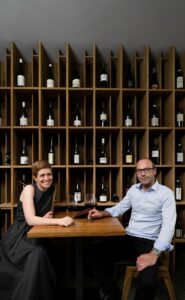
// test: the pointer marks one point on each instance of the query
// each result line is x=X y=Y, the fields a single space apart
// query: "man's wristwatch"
x=156 y=251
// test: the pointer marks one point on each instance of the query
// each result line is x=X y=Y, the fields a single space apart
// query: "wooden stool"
x=162 y=273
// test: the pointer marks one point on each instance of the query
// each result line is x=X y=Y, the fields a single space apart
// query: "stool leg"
x=169 y=287
x=127 y=284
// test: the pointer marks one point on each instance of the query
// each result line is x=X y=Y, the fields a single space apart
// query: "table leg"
x=79 y=268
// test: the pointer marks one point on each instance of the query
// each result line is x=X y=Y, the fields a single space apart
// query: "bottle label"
x=103 y=117
x=180 y=117
x=103 y=160
x=24 y=160
x=129 y=159
x=178 y=193
x=178 y=233
x=50 y=122
x=51 y=158
x=154 y=121
x=155 y=86
x=77 y=123
x=20 y=80
x=76 y=158
x=50 y=83
x=128 y=122
x=103 y=198
x=103 y=77
x=180 y=82
x=155 y=153
x=0 y=121
x=130 y=83
x=23 y=121
x=180 y=157
x=77 y=196
x=76 y=83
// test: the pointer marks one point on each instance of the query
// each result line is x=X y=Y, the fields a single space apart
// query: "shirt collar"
x=154 y=187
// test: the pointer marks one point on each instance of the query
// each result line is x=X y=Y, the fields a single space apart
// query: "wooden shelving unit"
x=89 y=96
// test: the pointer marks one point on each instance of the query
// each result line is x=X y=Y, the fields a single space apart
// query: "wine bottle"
x=23 y=180
x=1 y=157
x=180 y=154
x=128 y=153
x=180 y=117
x=50 y=77
x=103 y=153
x=129 y=77
x=178 y=190
x=76 y=77
x=0 y=116
x=20 y=73
x=103 y=191
x=50 y=118
x=154 y=116
x=23 y=120
x=155 y=152
x=103 y=77
x=77 y=118
x=103 y=115
x=77 y=191
x=128 y=116
x=127 y=185
x=76 y=153
x=7 y=158
x=51 y=153
x=178 y=227
x=179 y=79
x=24 y=154
x=154 y=82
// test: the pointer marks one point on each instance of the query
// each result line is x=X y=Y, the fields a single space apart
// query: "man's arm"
x=164 y=239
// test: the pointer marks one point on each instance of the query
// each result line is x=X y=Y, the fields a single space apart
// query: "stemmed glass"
x=72 y=205
x=90 y=200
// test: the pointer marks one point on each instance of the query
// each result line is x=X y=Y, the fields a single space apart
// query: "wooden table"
x=81 y=228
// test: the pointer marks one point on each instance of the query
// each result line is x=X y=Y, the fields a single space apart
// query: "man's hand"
x=145 y=260
x=94 y=214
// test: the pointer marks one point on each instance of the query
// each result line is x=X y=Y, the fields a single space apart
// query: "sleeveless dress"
x=26 y=272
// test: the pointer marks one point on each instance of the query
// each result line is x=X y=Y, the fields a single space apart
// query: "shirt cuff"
x=163 y=246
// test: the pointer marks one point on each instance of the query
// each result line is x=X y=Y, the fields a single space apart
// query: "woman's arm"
x=26 y=198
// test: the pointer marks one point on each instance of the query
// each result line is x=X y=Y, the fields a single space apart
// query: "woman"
x=25 y=270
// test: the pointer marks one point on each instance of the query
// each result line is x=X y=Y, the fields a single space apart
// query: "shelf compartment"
x=5 y=191
x=30 y=97
x=58 y=100
x=31 y=138
x=59 y=142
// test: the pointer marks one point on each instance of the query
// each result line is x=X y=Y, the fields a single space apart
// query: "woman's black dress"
x=25 y=270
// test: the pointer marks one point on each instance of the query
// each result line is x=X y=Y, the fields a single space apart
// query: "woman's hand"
x=66 y=221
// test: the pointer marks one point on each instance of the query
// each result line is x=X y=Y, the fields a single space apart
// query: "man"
x=150 y=229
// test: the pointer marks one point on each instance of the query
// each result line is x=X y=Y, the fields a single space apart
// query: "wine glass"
x=90 y=200
x=72 y=205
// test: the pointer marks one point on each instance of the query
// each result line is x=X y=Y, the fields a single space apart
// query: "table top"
x=82 y=228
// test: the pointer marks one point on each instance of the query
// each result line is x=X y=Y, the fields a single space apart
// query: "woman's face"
x=44 y=179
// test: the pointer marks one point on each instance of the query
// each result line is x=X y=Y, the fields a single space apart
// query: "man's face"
x=145 y=172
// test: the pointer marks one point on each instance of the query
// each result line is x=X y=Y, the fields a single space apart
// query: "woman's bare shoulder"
x=27 y=191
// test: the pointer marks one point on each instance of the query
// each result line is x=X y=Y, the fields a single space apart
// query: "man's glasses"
x=145 y=171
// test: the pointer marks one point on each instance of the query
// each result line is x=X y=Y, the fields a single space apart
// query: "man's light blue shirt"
x=153 y=214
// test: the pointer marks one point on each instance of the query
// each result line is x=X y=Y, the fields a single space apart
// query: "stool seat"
x=131 y=272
